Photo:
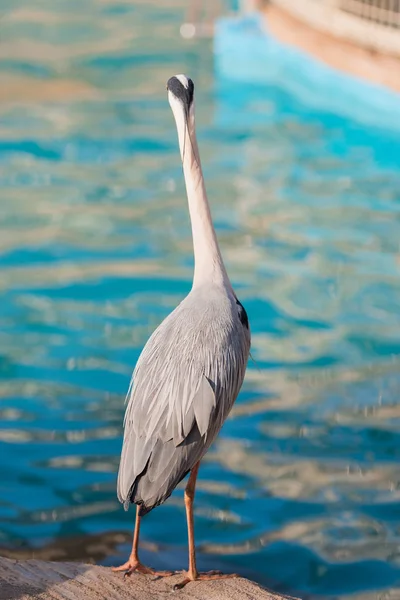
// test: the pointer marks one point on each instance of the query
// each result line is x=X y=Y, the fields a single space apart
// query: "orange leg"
x=133 y=563
x=192 y=573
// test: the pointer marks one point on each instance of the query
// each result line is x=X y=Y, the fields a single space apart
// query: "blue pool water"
x=302 y=490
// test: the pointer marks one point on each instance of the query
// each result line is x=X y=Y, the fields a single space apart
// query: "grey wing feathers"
x=204 y=403
x=181 y=392
x=162 y=443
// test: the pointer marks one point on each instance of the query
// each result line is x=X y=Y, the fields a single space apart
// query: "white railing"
x=384 y=12
x=373 y=24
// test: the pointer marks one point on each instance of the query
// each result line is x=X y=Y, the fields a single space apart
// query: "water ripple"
x=301 y=491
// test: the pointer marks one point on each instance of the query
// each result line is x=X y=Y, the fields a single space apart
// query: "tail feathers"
x=165 y=467
x=146 y=507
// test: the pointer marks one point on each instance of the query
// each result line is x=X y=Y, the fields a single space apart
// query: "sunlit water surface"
x=301 y=491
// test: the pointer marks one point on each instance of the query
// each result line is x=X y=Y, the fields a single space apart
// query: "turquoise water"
x=302 y=490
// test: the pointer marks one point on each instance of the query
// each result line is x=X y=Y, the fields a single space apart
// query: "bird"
x=191 y=369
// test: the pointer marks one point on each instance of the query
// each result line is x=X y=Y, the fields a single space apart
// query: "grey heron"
x=191 y=369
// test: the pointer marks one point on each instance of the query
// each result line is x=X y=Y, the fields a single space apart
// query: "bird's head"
x=181 y=95
x=181 y=99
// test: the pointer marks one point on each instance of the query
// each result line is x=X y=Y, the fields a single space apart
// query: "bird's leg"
x=133 y=563
x=189 y=498
x=193 y=574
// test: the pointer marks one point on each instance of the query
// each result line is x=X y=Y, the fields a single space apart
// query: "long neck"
x=208 y=263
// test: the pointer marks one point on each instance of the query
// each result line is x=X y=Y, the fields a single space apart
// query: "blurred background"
x=301 y=492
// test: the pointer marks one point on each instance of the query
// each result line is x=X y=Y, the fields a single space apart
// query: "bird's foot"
x=135 y=566
x=203 y=577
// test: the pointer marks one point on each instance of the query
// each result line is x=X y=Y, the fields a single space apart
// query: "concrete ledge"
x=23 y=580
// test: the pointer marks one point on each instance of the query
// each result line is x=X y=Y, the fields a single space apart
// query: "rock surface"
x=23 y=580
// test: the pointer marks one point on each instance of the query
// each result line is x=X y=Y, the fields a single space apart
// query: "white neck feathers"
x=209 y=266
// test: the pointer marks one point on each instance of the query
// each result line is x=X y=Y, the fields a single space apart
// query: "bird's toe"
x=123 y=567
x=181 y=584
x=133 y=567
x=208 y=576
x=159 y=574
